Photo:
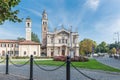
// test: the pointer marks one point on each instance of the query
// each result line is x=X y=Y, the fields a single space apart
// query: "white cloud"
x=11 y=30
x=35 y=12
x=6 y=34
x=31 y=11
x=93 y=4
x=106 y=28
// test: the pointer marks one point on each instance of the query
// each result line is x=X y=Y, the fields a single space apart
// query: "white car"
x=95 y=55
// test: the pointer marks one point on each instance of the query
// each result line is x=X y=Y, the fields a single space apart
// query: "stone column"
x=60 y=53
x=49 y=52
x=66 y=51
x=77 y=51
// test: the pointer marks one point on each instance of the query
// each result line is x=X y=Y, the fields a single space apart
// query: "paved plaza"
x=10 y=77
x=59 y=74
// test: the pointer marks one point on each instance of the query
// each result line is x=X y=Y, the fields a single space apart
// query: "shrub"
x=17 y=57
x=80 y=58
x=59 y=58
x=76 y=58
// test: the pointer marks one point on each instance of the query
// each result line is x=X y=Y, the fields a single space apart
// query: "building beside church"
x=59 y=42
x=21 y=47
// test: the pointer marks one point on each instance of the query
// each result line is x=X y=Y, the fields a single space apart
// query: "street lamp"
x=71 y=51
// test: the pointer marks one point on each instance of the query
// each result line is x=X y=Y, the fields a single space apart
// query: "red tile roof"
x=9 y=41
x=28 y=43
x=23 y=42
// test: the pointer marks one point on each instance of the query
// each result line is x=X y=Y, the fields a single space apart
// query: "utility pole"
x=117 y=33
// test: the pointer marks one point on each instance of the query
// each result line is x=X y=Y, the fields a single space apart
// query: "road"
x=109 y=61
x=59 y=74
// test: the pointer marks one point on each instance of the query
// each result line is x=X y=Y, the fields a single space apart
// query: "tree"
x=20 y=38
x=7 y=12
x=87 y=46
x=113 y=51
x=35 y=37
x=102 y=47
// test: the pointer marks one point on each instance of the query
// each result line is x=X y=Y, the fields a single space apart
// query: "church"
x=57 y=43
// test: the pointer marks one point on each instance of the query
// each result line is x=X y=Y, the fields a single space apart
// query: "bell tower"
x=28 y=28
x=44 y=28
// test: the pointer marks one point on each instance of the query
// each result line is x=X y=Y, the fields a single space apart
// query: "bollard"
x=7 y=63
x=31 y=67
x=68 y=68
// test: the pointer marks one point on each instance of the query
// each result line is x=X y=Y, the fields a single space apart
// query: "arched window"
x=44 y=22
x=11 y=45
x=24 y=52
x=34 y=52
x=59 y=40
x=52 y=40
x=3 y=53
x=44 y=28
x=66 y=40
x=28 y=24
x=0 y=45
x=62 y=40
x=8 y=45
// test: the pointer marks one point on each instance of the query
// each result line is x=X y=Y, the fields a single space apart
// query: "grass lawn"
x=91 y=64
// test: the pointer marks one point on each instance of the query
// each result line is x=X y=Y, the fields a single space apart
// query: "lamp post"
x=71 y=51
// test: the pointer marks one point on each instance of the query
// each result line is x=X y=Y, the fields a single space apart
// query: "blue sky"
x=94 y=19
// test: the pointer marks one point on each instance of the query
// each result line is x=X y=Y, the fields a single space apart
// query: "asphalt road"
x=109 y=61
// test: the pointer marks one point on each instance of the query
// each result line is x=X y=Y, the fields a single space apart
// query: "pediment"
x=62 y=31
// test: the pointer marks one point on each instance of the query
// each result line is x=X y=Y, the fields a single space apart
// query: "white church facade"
x=59 y=42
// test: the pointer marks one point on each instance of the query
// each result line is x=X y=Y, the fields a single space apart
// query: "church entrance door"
x=63 y=50
x=52 y=54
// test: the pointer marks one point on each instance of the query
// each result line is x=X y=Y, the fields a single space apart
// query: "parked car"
x=116 y=56
x=101 y=54
x=95 y=55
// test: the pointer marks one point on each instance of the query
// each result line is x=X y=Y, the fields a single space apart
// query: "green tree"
x=113 y=45
x=87 y=46
x=35 y=37
x=113 y=51
x=7 y=12
x=102 y=47
x=20 y=38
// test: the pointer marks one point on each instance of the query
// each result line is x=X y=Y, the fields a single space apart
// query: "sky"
x=98 y=20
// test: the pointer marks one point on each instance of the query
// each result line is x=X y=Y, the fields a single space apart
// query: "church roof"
x=44 y=12
x=28 y=43
x=21 y=42
x=9 y=41
x=62 y=30
x=28 y=19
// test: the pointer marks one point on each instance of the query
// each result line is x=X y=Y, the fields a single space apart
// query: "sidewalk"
x=10 y=77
